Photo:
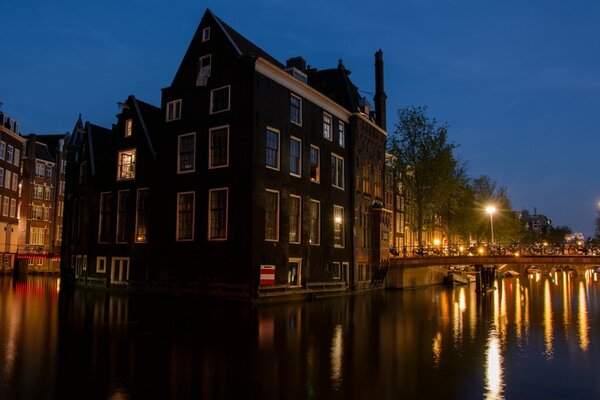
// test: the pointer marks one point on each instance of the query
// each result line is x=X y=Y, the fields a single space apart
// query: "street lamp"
x=491 y=210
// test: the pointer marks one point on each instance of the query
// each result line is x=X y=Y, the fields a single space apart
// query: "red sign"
x=267 y=275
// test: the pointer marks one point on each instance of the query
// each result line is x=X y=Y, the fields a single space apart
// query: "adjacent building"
x=253 y=179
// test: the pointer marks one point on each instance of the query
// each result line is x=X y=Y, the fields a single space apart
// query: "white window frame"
x=336 y=270
x=193 y=169
x=296 y=139
x=173 y=110
x=299 y=272
x=98 y=263
x=7 y=178
x=343 y=228
x=318 y=178
x=210 y=138
x=334 y=171
x=120 y=175
x=177 y=238
x=299 y=219
x=206 y=34
x=13 y=208
x=123 y=261
x=327 y=121
x=128 y=127
x=278 y=166
x=212 y=92
x=277 y=216
x=341 y=134
x=209 y=233
x=204 y=71
x=299 y=123
x=17 y=157
x=9 y=154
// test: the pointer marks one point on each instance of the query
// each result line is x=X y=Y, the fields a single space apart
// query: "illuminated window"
x=315 y=164
x=128 y=127
x=126 y=165
x=142 y=215
x=338 y=226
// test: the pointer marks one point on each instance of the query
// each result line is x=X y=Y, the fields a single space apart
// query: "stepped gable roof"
x=243 y=45
x=336 y=84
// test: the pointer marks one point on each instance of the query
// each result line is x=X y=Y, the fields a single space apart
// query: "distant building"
x=538 y=224
x=253 y=179
x=11 y=148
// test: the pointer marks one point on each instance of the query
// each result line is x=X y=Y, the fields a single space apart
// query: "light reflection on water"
x=514 y=342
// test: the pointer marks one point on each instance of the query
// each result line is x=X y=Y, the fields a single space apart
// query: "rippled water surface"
x=534 y=336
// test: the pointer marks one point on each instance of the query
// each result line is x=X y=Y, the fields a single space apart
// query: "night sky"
x=519 y=84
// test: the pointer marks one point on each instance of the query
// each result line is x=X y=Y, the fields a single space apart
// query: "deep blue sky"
x=517 y=81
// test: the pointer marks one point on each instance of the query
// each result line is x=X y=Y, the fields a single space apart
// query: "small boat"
x=454 y=278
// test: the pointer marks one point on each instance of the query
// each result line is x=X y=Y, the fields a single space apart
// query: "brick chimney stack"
x=380 y=96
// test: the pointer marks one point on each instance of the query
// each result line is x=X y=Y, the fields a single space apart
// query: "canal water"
x=535 y=336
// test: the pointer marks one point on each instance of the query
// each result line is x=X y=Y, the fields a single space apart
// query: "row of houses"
x=31 y=199
x=252 y=179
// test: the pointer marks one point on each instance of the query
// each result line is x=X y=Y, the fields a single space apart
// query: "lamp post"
x=491 y=210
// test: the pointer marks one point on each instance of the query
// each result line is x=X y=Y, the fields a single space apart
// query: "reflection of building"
x=249 y=184
x=11 y=147
x=40 y=223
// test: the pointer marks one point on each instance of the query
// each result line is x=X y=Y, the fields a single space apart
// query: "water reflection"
x=433 y=343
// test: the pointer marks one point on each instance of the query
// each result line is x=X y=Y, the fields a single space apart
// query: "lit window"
x=186 y=155
x=219 y=147
x=126 y=166
x=36 y=236
x=327 y=126
x=295 y=156
x=341 y=134
x=338 y=226
x=185 y=216
x=295 y=109
x=123 y=216
x=142 y=215
x=272 y=148
x=271 y=215
x=174 y=110
x=337 y=171
x=40 y=169
x=295 y=218
x=315 y=164
x=315 y=222
x=13 y=208
x=128 y=127
x=5 y=206
x=217 y=228
x=203 y=71
x=219 y=99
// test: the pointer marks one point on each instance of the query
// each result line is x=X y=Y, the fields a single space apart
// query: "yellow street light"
x=491 y=210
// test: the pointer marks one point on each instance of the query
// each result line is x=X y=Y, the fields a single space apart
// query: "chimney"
x=296 y=62
x=380 y=96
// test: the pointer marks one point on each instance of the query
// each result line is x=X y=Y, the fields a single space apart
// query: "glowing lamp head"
x=436 y=242
x=490 y=209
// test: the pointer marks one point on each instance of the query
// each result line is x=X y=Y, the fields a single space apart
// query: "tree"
x=557 y=234
x=430 y=173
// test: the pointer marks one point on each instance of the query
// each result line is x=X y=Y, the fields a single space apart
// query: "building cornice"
x=366 y=119
x=12 y=134
x=278 y=75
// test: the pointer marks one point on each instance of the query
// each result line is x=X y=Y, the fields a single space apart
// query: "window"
x=17 y=157
x=337 y=171
x=36 y=236
x=366 y=179
x=206 y=34
x=7 y=179
x=272 y=148
x=1 y=176
x=341 y=134
x=37 y=212
x=315 y=222
x=2 y=150
x=186 y=156
x=185 y=216
x=219 y=99
x=272 y=215
x=122 y=216
x=295 y=109
x=377 y=182
x=13 y=208
x=174 y=110
x=15 y=185
x=327 y=134
x=294 y=271
x=9 y=154
x=338 y=226
x=217 y=219
x=142 y=215
x=218 y=142
x=295 y=219
x=46 y=211
x=295 y=156
x=119 y=272
x=105 y=217
x=126 y=166
x=5 y=205
x=336 y=270
x=203 y=71
x=128 y=127
x=48 y=171
x=315 y=164
x=40 y=169
x=101 y=265
x=38 y=192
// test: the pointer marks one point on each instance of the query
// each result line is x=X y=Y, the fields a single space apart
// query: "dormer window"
x=296 y=73
x=206 y=34
x=128 y=127
x=203 y=70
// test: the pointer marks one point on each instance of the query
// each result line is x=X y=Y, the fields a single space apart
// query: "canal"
x=535 y=335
